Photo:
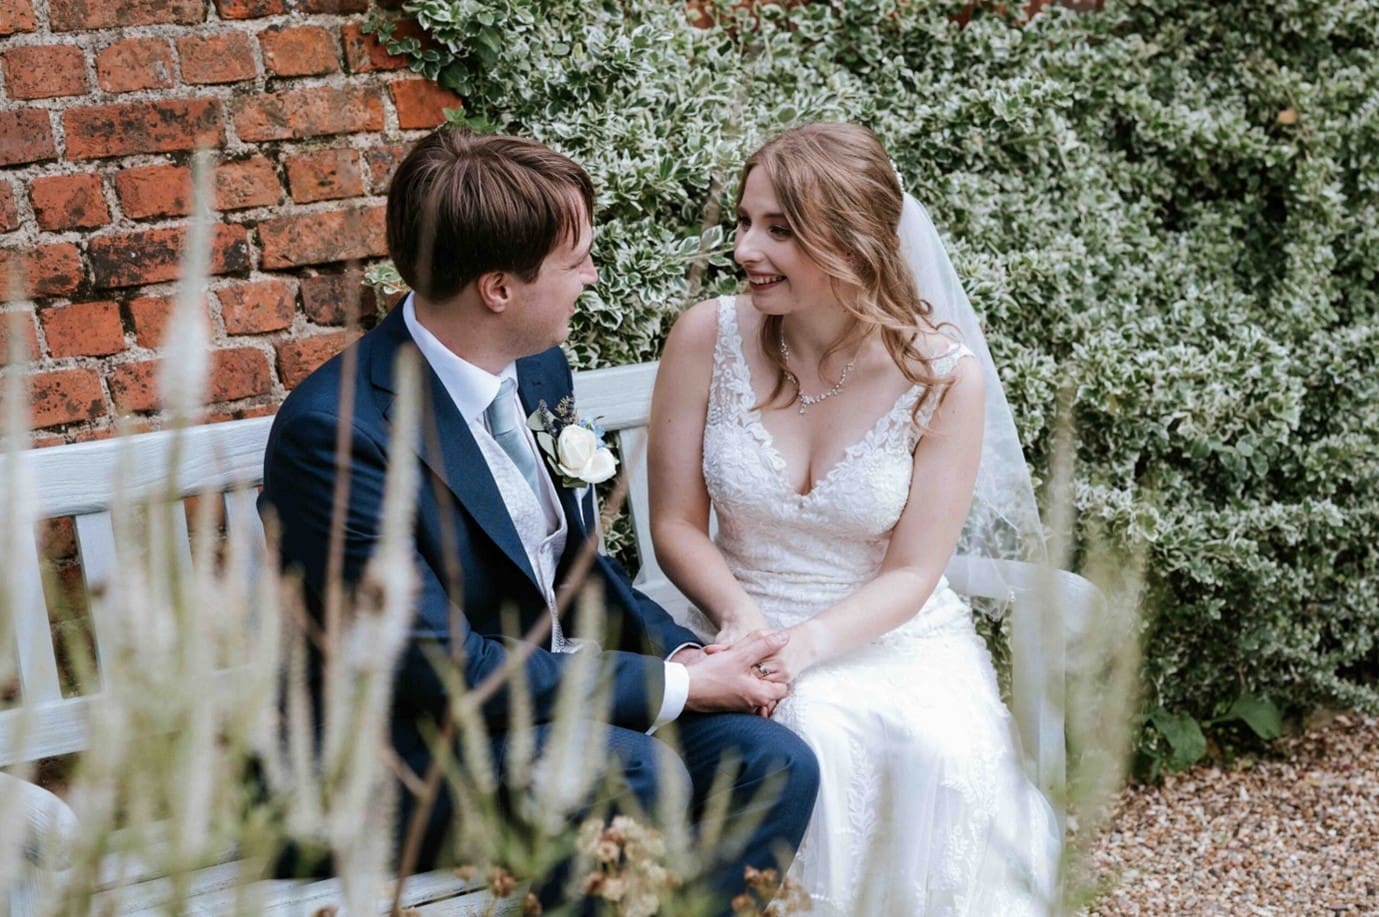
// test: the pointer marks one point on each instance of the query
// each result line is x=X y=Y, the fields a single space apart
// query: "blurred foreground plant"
x=628 y=868
x=196 y=633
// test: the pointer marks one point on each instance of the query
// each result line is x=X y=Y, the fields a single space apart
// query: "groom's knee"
x=800 y=768
x=780 y=761
x=780 y=774
x=653 y=772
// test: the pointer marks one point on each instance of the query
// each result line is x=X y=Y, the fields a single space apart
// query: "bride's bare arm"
x=945 y=470
x=679 y=499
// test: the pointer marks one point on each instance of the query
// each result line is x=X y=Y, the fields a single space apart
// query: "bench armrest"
x=49 y=824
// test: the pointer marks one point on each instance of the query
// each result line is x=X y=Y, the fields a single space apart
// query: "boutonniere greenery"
x=574 y=447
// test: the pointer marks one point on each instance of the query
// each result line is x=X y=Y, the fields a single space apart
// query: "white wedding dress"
x=923 y=806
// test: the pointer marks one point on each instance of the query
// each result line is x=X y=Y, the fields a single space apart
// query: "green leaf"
x=1184 y=737
x=1259 y=713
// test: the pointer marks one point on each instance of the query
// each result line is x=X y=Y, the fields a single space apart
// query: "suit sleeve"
x=663 y=633
x=299 y=483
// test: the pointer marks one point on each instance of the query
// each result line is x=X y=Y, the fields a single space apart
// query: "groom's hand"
x=687 y=655
x=725 y=680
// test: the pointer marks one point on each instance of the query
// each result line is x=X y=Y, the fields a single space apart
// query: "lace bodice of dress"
x=824 y=544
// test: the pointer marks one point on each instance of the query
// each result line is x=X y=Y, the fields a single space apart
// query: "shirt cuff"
x=675 y=696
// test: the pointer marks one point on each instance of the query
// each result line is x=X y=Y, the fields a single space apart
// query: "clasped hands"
x=747 y=674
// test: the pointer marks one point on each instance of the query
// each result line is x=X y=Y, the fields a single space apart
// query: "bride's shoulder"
x=694 y=332
x=686 y=364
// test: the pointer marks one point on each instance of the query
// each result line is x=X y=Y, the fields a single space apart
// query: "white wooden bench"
x=79 y=481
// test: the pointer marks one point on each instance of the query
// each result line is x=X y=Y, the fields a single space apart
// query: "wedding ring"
x=762 y=670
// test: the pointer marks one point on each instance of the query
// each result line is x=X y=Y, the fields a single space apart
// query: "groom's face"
x=544 y=306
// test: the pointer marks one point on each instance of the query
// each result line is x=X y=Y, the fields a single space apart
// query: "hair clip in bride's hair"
x=898 y=179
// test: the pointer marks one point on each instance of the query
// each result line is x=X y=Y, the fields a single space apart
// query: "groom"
x=493 y=235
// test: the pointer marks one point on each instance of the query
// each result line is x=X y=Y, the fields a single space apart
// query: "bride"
x=838 y=431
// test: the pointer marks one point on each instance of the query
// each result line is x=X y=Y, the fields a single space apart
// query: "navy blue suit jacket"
x=462 y=524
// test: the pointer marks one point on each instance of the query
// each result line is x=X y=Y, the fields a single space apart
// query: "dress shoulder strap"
x=942 y=366
x=731 y=384
x=727 y=318
x=945 y=363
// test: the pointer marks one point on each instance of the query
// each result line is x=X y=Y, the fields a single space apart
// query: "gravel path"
x=1297 y=833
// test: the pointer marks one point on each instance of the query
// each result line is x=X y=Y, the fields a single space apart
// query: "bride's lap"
x=935 y=701
x=919 y=773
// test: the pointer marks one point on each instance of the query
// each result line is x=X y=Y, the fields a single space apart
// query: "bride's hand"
x=786 y=664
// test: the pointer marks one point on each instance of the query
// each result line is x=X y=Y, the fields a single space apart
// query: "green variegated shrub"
x=1168 y=208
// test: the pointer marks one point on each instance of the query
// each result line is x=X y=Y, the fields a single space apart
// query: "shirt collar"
x=470 y=387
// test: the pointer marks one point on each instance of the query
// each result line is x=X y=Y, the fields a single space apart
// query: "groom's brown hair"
x=464 y=204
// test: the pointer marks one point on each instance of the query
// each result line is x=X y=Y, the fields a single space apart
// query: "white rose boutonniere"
x=574 y=447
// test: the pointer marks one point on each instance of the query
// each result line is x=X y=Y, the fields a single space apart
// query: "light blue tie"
x=505 y=423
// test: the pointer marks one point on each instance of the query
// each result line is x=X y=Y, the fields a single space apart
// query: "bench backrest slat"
x=82 y=478
x=632 y=446
x=616 y=398
x=33 y=637
x=242 y=523
x=96 y=547
x=43 y=730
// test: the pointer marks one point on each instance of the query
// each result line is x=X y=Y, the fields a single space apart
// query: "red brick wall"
x=102 y=105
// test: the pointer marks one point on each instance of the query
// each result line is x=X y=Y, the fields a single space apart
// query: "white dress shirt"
x=472 y=390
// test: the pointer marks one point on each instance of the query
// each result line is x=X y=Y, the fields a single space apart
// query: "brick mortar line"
x=86 y=38
x=263 y=81
x=30 y=231
x=357 y=141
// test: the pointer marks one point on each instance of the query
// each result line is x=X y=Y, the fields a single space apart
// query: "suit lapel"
x=448 y=447
x=534 y=386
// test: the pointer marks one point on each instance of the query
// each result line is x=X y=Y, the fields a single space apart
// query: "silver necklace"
x=808 y=401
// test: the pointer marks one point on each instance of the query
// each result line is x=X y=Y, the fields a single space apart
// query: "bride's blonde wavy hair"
x=841 y=196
